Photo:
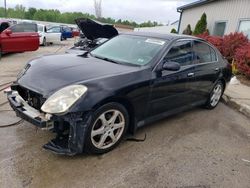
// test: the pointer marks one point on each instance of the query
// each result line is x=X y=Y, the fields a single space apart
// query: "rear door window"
x=181 y=52
x=66 y=29
x=213 y=54
x=203 y=53
x=54 y=30
x=24 y=27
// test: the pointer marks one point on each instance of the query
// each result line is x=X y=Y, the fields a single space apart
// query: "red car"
x=18 y=38
x=75 y=32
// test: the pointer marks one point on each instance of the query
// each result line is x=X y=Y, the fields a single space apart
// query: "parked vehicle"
x=92 y=100
x=64 y=30
x=93 y=34
x=48 y=36
x=9 y=21
x=18 y=38
x=75 y=32
x=4 y=25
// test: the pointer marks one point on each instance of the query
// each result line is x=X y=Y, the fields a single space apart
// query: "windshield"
x=134 y=50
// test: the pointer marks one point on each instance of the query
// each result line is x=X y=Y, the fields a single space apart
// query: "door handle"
x=216 y=69
x=191 y=74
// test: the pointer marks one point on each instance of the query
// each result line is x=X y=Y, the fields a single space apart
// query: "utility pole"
x=5 y=9
x=98 y=8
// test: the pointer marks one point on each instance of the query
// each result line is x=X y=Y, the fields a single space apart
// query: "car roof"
x=169 y=37
x=4 y=21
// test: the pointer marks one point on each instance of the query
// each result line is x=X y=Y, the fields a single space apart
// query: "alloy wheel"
x=107 y=129
x=216 y=95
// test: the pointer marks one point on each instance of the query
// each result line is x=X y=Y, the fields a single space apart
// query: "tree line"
x=54 y=15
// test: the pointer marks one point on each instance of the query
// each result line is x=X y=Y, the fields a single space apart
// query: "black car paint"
x=148 y=92
x=93 y=30
x=54 y=72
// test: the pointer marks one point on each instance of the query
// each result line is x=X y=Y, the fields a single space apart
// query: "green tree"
x=40 y=15
x=30 y=13
x=17 y=12
x=188 y=30
x=2 y=14
x=207 y=31
x=173 y=30
x=201 y=25
x=53 y=15
x=119 y=21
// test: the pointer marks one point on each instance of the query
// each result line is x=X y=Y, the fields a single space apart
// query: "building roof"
x=157 y=29
x=194 y=4
x=175 y=22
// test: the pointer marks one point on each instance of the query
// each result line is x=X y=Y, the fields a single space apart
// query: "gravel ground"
x=199 y=148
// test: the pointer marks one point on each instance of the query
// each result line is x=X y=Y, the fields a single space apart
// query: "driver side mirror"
x=171 y=66
x=8 y=31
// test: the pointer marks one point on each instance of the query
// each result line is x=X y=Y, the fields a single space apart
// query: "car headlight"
x=63 y=99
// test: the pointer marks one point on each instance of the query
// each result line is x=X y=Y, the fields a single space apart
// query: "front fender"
x=96 y=94
x=132 y=87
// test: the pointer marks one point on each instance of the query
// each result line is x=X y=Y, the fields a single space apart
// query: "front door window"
x=181 y=53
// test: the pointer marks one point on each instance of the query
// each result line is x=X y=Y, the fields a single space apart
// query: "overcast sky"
x=136 y=10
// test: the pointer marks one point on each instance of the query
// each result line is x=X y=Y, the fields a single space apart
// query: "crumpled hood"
x=50 y=73
x=94 y=30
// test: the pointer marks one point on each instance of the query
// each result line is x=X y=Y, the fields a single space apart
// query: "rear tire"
x=44 y=41
x=215 y=95
x=107 y=128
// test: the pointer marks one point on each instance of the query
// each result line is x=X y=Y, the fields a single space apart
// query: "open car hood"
x=94 y=30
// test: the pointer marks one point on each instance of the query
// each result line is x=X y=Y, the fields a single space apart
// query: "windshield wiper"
x=113 y=61
x=105 y=59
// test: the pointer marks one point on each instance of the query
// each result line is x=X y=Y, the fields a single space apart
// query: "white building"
x=223 y=16
x=159 y=29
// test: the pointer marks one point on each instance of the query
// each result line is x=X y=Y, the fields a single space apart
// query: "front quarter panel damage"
x=72 y=142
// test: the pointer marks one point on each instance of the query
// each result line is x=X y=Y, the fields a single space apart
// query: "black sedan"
x=90 y=101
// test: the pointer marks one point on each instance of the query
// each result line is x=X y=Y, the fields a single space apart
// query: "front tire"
x=108 y=126
x=215 y=95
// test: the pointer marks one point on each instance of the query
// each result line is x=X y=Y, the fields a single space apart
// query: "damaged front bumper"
x=70 y=128
x=26 y=112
